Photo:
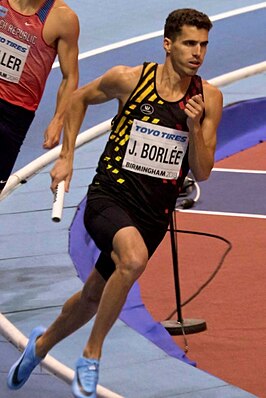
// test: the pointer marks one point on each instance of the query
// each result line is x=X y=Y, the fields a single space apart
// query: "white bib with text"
x=13 y=55
x=155 y=150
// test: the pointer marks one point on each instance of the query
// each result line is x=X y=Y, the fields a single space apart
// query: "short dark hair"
x=185 y=16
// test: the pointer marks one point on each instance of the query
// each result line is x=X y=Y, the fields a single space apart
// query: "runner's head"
x=185 y=16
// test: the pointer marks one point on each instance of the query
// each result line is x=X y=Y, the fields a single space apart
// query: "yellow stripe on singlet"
x=148 y=78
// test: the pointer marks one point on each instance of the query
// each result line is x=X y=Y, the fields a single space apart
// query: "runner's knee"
x=131 y=265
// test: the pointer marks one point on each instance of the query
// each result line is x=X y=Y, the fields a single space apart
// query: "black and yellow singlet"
x=145 y=160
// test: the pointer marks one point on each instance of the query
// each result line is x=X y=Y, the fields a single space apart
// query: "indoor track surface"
x=37 y=273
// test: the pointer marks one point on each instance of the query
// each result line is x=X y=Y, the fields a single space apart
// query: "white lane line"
x=228 y=214
x=152 y=35
x=239 y=171
x=238 y=11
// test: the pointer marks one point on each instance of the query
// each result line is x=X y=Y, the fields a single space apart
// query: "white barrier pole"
x=238 y=74
x=14 y=336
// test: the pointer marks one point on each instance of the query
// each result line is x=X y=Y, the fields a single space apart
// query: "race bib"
x=155 y=150
x=13 y=55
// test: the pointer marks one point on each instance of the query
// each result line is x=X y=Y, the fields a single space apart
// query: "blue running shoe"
x=86 y=378
x=21 y=370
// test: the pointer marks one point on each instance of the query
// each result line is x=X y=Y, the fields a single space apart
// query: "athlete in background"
x=32 y=33
x=166 y=124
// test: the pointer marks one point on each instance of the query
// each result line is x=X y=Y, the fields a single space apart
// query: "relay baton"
x=58 y=202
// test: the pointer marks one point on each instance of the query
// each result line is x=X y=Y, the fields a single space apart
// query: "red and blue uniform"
x=25 y=63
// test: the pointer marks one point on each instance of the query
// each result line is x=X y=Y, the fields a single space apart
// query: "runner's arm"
x=202 y=137
x=67 y=48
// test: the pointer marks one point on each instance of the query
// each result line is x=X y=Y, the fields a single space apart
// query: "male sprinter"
x=166 y=124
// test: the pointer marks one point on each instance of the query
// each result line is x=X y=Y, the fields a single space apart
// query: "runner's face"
x=188 y=50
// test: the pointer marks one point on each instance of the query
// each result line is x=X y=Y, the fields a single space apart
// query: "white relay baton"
x=58 y=202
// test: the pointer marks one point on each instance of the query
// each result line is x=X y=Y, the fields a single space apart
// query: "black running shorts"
x=103 y=217
x=14 y=124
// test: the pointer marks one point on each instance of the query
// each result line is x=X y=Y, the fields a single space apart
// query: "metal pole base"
x=188 y=326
